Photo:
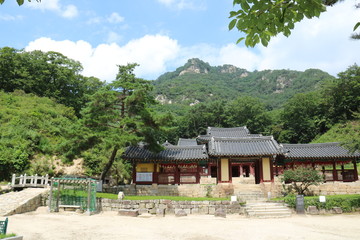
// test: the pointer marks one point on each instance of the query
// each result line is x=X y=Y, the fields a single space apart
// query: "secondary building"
x=234 y=155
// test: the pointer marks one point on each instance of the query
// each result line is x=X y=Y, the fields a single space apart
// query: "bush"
x=301 y=179
x=348 y=203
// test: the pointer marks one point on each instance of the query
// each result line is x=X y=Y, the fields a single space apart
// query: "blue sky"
x=161 y=35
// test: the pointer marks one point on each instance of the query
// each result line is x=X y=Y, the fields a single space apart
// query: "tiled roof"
x=171 y=153
x=255 y=146
x=228 y=132
x=237 y=132
x=187 y=142
x=317 y=151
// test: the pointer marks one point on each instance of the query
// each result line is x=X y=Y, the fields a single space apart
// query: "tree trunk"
x=108 y=165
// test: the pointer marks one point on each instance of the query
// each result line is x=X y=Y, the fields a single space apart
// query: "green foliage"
x=20 y=2
x=46 y=74
x=2 y=236
x=347 y=203
x=198 y=81
x=303 y=118
x=302 y=178
x=342 y=95
x=261 y=20
x=248 y=111
x=118 y=116
x=173 y=198
x=30 y=126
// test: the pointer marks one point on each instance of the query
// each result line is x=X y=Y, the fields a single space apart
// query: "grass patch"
x=173 y=198
x=2 y=236
x=115 y=196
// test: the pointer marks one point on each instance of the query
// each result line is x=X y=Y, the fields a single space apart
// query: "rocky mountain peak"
x=195 y=65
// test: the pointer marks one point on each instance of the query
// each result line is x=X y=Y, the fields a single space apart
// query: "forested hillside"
x=197 y=81
x=48 y=109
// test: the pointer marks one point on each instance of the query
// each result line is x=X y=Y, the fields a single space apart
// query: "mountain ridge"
x=197 y=81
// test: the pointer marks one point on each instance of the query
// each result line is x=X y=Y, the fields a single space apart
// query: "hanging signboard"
x=144 y=177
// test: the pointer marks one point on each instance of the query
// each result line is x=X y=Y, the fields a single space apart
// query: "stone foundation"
x=239 y=187
x=170 y=207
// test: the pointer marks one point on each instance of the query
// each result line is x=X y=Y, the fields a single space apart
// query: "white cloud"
x=7 y=17
x=152 y=52
x=113 y=37
x=184 y=4
x=318 y=43
x=68 y=11
x=115 y=18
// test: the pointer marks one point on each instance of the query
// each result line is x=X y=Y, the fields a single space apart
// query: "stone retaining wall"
x=170 y=207
x=272 y=189
x=189 y=190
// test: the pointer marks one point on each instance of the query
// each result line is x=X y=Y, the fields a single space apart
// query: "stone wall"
x=189 y=190
x=238 y=188
x=329 y=188
x=170 y=207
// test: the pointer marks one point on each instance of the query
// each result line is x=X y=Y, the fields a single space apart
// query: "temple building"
x=234 y=155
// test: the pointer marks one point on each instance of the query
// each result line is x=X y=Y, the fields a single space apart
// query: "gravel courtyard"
x=40 y=225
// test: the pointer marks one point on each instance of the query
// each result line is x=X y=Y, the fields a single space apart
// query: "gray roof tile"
x=255 y=146
x=170 y=153
x=187 y=142
x=317 y=150
x=236 y=132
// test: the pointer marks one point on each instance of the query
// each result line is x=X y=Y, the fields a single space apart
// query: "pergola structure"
x=73 y=193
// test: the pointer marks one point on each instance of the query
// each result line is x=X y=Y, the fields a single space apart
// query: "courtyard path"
x=40 y=225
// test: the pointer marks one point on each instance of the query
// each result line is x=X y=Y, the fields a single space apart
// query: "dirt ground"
x=40 y=225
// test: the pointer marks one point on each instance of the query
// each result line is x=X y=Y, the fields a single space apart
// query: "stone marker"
x=121 y=195
x=220 y=213
x=129 y=213
x=337 y=210
x=312 y=210
x=181 y=213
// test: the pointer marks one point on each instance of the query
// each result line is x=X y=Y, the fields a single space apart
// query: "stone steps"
x=267 y=210
x=23 y=201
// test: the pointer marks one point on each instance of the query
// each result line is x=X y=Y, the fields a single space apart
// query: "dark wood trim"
x=335 y=177
x=134 y=172
x=355 y=171
x=261 y=170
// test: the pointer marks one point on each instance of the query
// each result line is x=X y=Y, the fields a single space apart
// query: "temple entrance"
x=245 y=169
x=213 y=171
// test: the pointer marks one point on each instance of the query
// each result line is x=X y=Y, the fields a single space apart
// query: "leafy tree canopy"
x=302 y=178
x=20 y=2
x=46 y=74
x=261 y=20
x=30 y=126
x=118 y=116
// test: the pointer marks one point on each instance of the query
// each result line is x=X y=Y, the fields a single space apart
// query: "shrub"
x=347 y=203
x=301 y=179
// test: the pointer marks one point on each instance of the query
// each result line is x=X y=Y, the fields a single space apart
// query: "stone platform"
x=23 y=201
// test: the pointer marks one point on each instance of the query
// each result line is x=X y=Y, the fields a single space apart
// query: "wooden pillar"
x=88 y=197
x=51 y=194
x=134 y=172
x=335 y=178
x=356 y=176
x=177 y=174
x=198 y=173
x=342 y=171
x=58 y=197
